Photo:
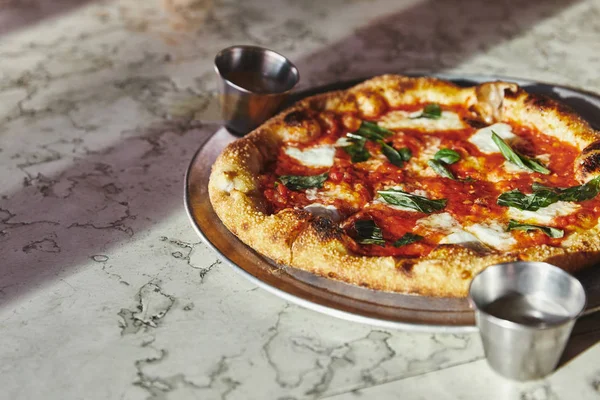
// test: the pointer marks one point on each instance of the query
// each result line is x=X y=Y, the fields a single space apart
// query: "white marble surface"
x=106 y=292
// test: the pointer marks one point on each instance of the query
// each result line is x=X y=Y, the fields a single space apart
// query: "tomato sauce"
x=472 y=198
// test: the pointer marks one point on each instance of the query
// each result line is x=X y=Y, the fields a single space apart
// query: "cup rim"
x=505 y=323
x=285 y=60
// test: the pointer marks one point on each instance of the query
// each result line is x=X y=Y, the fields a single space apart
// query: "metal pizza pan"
x=338 y=299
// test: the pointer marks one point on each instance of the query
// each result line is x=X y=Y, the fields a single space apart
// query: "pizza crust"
x=302 y=240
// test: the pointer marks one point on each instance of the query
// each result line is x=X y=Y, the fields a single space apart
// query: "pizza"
x=414 y=184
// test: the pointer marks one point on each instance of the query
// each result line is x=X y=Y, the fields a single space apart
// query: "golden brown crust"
x=301 y=240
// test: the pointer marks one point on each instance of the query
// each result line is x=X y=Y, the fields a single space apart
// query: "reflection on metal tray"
x=392 y=310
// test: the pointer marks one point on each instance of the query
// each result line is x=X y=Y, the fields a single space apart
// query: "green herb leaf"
x=296 y=182
x=548 y=230
x=406 y=239
x=368 y=232
x=440 y=169
x=431 y=111
x=521 y=161
x=372 y=131
x=413 y=201
x=405 y=153
x=357 y=150
x=587 y=191
x=527 y=202
x=447 y=156
x=543 y=196
x=396 y=157
x=372 y=126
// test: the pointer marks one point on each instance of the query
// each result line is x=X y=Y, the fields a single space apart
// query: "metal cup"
x=525 y=312
x=254 y=82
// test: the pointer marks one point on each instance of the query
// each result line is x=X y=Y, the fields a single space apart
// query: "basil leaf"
x=372 y=126
x=368 y=232
x=521 y=161
x=372 y=131
x=528 y=202
x=396 y=157
x=587 y=191
x=405 y=153
x=431 y=111
x=357 y=150
x=295 y=182
x=447 y=156
x=543 y=196
x=440 y=169
x=548 y=230
x=407 y=238
x=413 y=201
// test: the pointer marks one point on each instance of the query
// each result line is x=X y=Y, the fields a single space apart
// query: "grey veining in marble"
x=106 y=292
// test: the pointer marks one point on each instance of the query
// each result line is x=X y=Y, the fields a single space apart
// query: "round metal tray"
x=391 y=310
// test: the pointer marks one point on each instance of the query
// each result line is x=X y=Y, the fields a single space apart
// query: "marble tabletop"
x=106 y=292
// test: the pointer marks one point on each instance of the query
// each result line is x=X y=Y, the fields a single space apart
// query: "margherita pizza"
x=414 y=185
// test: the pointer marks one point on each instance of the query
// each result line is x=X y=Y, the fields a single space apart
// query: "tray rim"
x=327 y=310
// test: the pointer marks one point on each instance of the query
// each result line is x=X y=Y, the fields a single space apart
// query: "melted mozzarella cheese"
x=483 y=137
x=512 y=168
x=493 y=234
x=380 y=200
x=443 y=222
x=321 y=210
x=319 y=156
x=544 y=215
x=332 y=191
x=419 y=165
x=459 y=237
x=407 y=120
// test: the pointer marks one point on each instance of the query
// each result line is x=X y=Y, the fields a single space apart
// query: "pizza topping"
x=419 y=203
x=406 y=239
x=442 y=223
x=483 y=137
x=544 y=215
x=326 y=211
x=368 y=232
x=402 y=119
x=548 y=230
x=492 y=234
x=295 y=182
x=372 y=131
x=583 y=192
x=459 y=237
x=440 y=169
x=431 y=111
x=490 y=98
x=447 y=156
x=524 y=162
x=356 y=148
x=319 y=156
x=396 y=157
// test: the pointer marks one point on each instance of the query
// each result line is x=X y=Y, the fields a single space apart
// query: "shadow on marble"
x=18 y=14
x=428 y=36
x=586 y=333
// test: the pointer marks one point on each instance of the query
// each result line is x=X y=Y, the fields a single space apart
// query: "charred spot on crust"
x=476 y=123
x=407 y=85
x=591 y=163
x=465 y=274
x=592 y=147
x=331 y=275
x=541 y=101
x=326 y=229
x=295 y=118
x=245 y=226
x=406 y=266
x=364 y=284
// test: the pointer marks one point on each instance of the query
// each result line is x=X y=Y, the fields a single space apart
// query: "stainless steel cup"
x=525 y=312
x=254 y=82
